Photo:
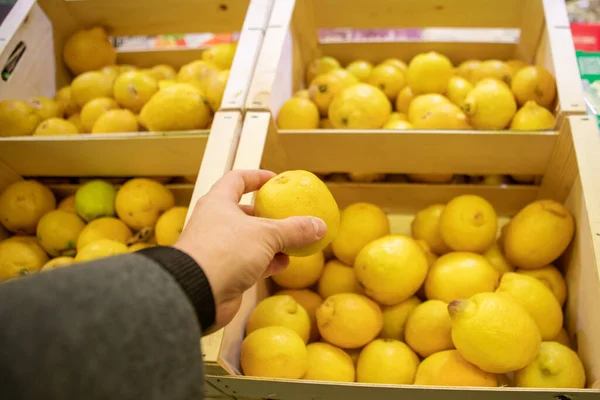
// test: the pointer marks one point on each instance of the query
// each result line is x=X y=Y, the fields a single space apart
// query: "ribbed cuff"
x=190 y=277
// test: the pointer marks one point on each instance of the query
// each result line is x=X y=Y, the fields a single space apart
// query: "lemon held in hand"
x=299 y=193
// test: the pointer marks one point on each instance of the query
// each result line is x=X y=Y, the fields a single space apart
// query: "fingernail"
x=320 y=227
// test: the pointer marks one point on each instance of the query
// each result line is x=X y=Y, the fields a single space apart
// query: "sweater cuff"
x=190 y=277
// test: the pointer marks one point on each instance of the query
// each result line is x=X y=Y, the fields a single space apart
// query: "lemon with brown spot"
x=360 y=224
x=299 y=193
x=490 y=105
x=428 y=328
x=338 y=278
x=349 y=320
x=469 y=223
x=133 y=89
x=538 y=234
x=405 y=97
x=460 y=275
x=389 y=79
x=46 y=108
x=22 y=204
x=449 y=368
x=301 y=272
x=551 y=277
x=394 y=318
x=274 y=352
x=280 y=311
x=421 y=105
x=537 y=299
x=298 y=113
x=58 y=232
x=361 y=69
x=387 y=361
x=494 y=332
x=556 y=366
x=532 y=117
x=534 y=83
x=310 y=301
x=429 y=73
x=426 y=227
x=442 y=116
x=391 y=268
x=328 y=363
x=360 y=106
x=55 y=126
x=170 y=225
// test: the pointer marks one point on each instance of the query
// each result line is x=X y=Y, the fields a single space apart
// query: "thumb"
x=297 y=232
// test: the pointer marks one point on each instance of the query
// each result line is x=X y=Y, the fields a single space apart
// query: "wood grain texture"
x=562 y=169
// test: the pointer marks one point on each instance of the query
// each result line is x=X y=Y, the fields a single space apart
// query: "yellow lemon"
x=538 y=234
x=177 y=107
x=274 y=352
x=20 y=256
x=346 y=77
x=116 y=121
x=430 y=255
x=140 y=202
x=426 y=227
x=398 y=124
x=391 y=268
x=55 y=126
x=170 y=225
x=310 y=301
x=328 y=363
x=401 y=65
x=405 y=97
x=75 y=119
x=215 y=89
x=551 y=277
x=532 y=117
x=469 y=223
x=162 y=72
x=537 y=299
x=22 y=204
x=448 y=368
x=58 y=262
x=428 y=328
x=100 y=249
x=338 y=278
x=320 y=66
x=104 y=228
x=58 y=231
x=460 y=275
x=68 y=204
x=165 y=83
x=17 y=118
x=397 y=116
x=562 y=338
x=299 y=193
x=92 y=110
x=140 y=246
x=494 y=332
x=46 y=108
x=198 y=74
x=534 y=83
x=389 y=79
x=515 y=66
x=458 y=89
x=442 y=116
x=302 y=272
x=323 y=89
x=360 y=224
x=387 y=361
x=467 y=68
x=494 y=180
x=220 y=54
x=492 y=69
x=496 y=258
x=490 y=105
x=429 y=73
x=360 y=106
x=66 y=102
x=87 y=50
x=134 y=89
x=366 y=178
x=361 y=69
x=298 y=113
x=91 y=85
x=556 y=366
x=421 y=105
x=349 y=320
x=302 y=94
x=280 y=311
x=394 y=318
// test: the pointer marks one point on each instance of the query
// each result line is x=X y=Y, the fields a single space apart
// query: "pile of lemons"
x=99 y=220
x=488 y=180
x=108 y=98
x=455 y=304
x=428 y=93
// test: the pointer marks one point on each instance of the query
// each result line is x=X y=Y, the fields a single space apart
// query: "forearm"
x=119 y=328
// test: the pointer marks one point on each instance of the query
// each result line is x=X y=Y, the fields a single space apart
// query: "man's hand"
x=236 y=249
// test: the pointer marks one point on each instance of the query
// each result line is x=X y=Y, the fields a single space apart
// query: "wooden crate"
x=570 y=177
x=292 y=39
x=45 y=25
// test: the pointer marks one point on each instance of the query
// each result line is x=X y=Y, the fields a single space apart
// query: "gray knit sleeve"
x=120 y=328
